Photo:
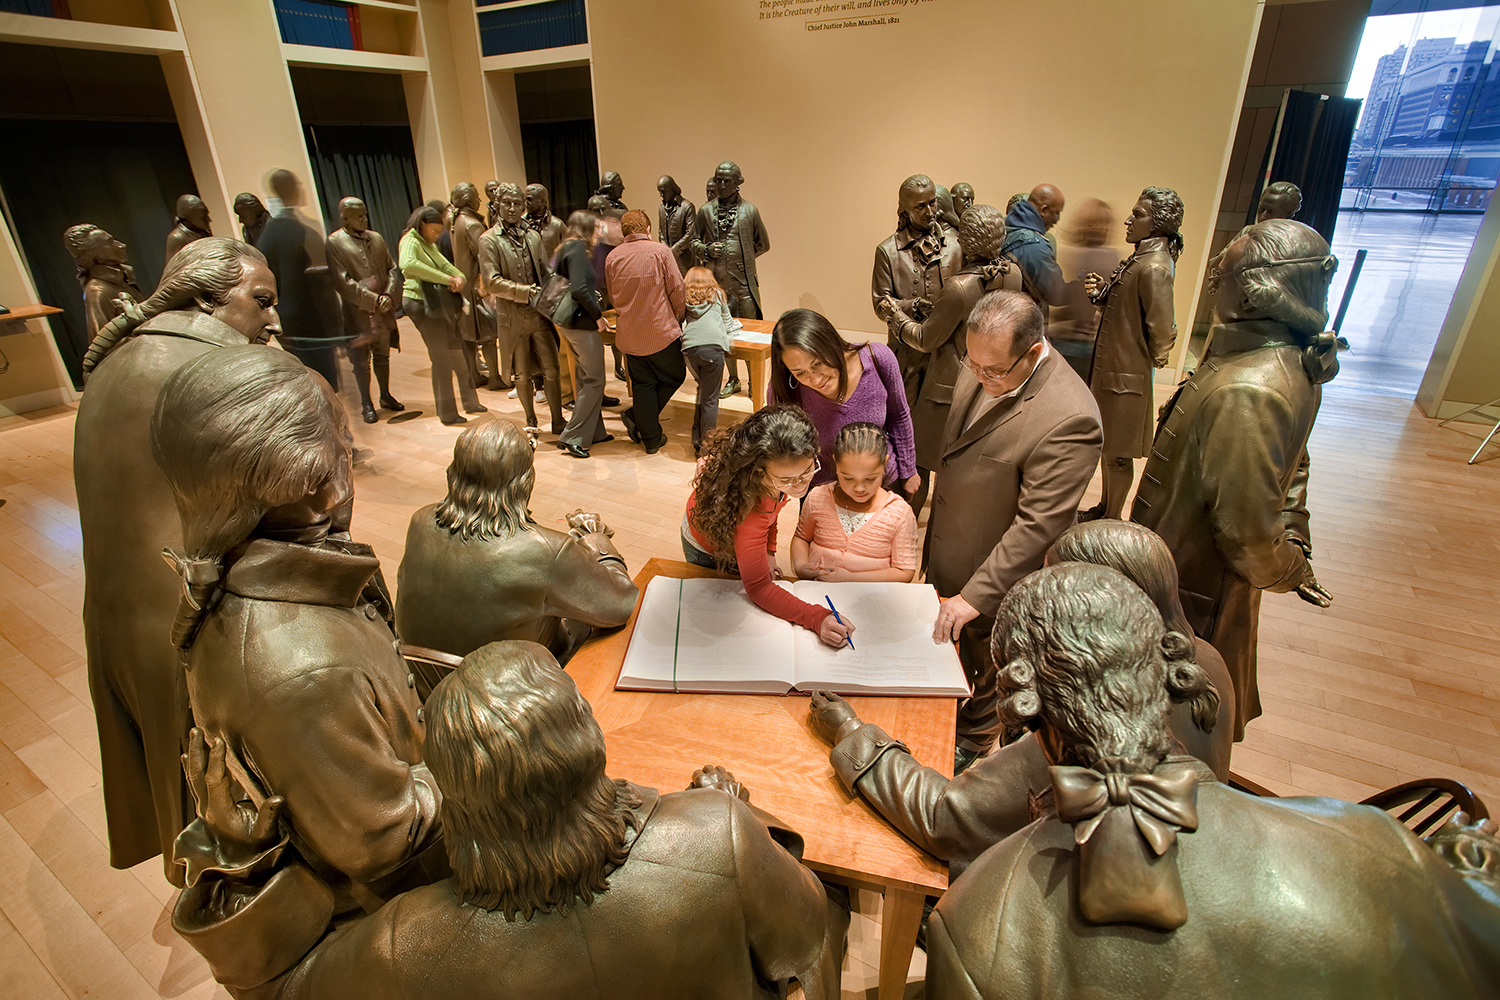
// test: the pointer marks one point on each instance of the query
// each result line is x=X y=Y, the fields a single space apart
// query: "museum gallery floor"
x=1399 y=679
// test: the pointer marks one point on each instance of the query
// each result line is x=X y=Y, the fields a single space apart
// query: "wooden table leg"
x=900 y=916
x=760 y=380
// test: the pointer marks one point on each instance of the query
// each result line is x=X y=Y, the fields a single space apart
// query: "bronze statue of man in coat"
x=363 y=272
x=1137 y=328
x=216 y=292
x=105 y=273
x=1226 y=484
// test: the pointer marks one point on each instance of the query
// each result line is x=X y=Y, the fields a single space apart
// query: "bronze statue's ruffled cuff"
x=251 y=935
x=197 y=850
x=859 y=751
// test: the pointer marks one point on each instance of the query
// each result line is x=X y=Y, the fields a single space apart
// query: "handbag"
x=439 y=302
x=554 y=300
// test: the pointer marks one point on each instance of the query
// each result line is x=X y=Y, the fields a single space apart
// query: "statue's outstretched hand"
x=236 y=825
x=1312 y=592
x=715 y=776
x=832 y=717
x=588 y=523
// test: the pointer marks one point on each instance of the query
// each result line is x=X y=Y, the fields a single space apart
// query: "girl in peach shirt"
x=853 y=528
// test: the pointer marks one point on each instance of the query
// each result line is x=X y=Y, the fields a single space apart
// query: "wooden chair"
x=428 y=666
x=1428 y=803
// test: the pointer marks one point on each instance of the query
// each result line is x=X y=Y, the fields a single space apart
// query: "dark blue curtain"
x=1312 y=151
x=122 y=176
x=375 y=163
x=563 y=156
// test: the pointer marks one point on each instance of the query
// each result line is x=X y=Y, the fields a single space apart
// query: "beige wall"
x=826 y=124
x=249 y=123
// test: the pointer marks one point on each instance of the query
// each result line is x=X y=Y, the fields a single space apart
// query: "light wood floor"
x=1399 y=679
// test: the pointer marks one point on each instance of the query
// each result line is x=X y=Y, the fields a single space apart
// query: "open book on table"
x=705 y=635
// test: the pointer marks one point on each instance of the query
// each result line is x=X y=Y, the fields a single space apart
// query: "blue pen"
x=837 y=618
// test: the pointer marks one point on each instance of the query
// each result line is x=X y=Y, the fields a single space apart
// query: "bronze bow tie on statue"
x=1126 y=825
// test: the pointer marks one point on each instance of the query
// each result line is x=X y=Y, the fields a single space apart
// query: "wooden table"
x=757 y=357
x=15 y=320
x=770 y=745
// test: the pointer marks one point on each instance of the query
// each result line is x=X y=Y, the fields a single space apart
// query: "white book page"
x=893 y=649
x=720 y=641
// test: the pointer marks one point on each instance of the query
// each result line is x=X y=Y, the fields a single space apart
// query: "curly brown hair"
x=728 y=484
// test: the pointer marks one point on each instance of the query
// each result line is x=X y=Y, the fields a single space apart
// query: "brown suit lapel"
x=1001 y=413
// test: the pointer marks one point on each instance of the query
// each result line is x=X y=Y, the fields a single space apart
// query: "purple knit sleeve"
x=897 y=413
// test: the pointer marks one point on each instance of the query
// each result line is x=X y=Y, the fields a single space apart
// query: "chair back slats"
x=1426 y=804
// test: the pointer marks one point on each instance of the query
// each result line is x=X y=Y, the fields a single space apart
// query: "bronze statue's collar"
x=1151 y=244
x=299 y=574
x=185 y=224
x=193 y=324
x=1250 y=335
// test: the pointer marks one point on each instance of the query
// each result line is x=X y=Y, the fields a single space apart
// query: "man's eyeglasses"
x=989 y=374
x=797 y=480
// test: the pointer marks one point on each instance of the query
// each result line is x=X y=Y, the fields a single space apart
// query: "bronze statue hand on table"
x=718 y=777
x=832 y=717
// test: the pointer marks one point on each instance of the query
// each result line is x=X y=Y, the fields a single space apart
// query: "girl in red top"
x=747 y=474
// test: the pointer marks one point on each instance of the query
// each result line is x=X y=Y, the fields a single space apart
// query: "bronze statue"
x=287 y=659
x=958 y=819
x=104 y=271
x=674 y=222
x=252 y=214
x=540 y=218
x=912 y=268
x=192 y=223
x=611 y=187
x=945 y=211
x=729 y=235
x=566 y=883
x=514 y=266
x=1144 y=876
x=941 y=336
x=1137 y=328
x=478 y=328
x=362 y=272
x=1226 y=484
x=492 y=206
x=963 y=197
x=478 y=569
x=1280 y=200
x=216 y=292
x=311 y=317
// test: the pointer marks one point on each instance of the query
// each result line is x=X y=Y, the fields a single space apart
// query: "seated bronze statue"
x=957 y=819
x=289 y=658
x=566 y=883
x=478 y=569
x=1144 y=876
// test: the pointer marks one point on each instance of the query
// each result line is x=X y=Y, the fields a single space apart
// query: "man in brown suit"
x=1226 y=485
x=478 y=328
x=566 y=883
x=216 y=292
x=1137 y=329
x=1021 y=444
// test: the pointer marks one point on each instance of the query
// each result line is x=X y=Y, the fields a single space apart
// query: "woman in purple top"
x=839 y=383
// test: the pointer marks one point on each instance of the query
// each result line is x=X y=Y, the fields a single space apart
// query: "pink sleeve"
x=903 y=537
x=807 y=522
x=751 y=543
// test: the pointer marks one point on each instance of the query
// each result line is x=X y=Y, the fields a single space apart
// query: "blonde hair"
x=702 y=286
